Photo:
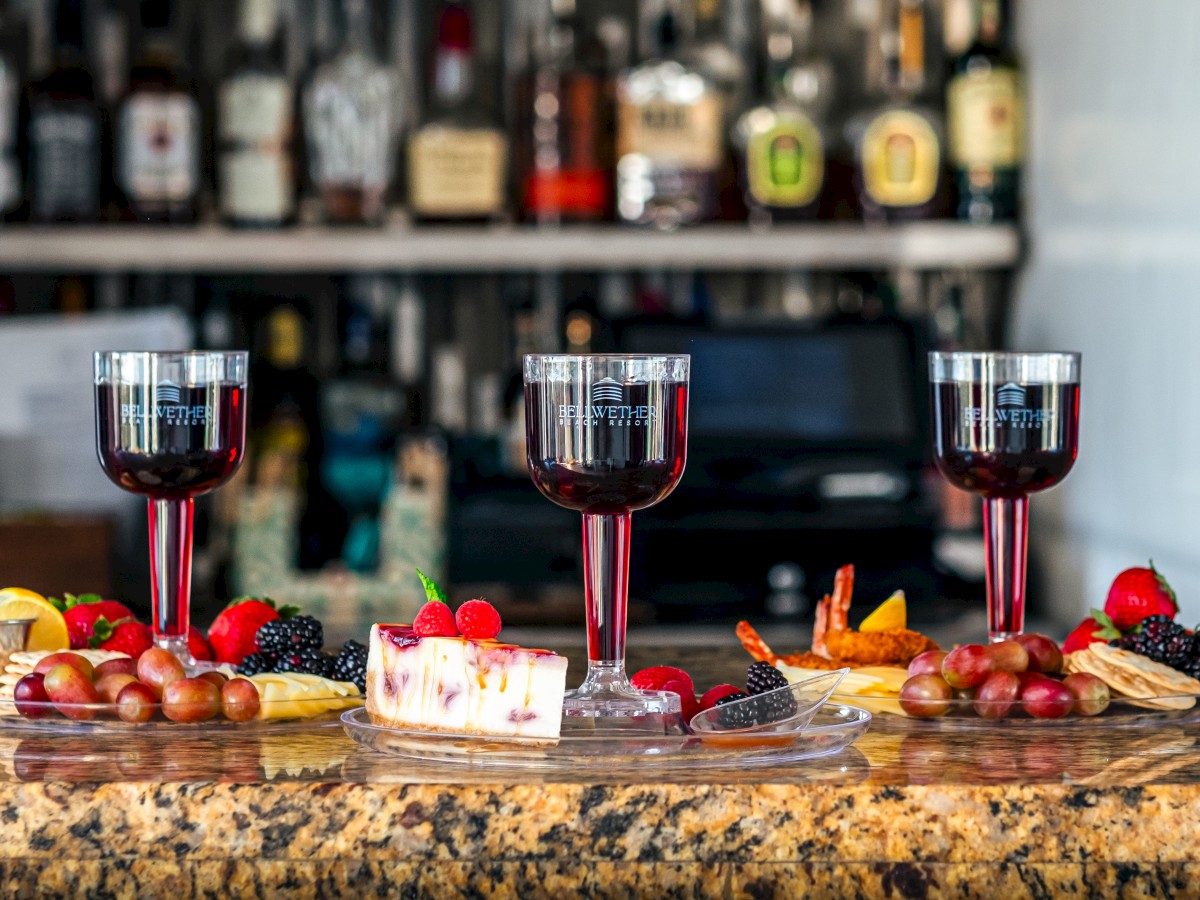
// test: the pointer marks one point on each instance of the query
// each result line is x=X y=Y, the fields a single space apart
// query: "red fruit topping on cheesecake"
x=435 y=620
x=478 y=620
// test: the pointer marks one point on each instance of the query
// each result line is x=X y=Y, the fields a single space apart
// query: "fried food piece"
x=833 y=610
x=759 y=651
x=897 y=646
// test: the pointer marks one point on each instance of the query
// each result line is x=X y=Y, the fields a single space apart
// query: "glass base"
x=178 y=647
x=607 y=693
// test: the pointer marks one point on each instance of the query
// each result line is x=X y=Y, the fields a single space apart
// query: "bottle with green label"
x=783 y=143
x=986 y=115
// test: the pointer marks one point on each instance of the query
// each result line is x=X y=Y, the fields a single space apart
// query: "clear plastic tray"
x=311 y=712
x=609 y=742
x=1122 y=712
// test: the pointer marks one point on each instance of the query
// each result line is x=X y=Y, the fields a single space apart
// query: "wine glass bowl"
x=607 y=435
x=170 y=426
x=1006 y=425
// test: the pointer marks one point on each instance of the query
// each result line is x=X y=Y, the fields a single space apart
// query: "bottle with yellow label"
x=985 y=106
x=670 y=141
x=783 y=143
x=899 y=146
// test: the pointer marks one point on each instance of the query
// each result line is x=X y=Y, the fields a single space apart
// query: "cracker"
x=1136 y=677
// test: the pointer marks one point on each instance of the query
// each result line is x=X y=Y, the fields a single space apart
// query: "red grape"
x=126 y=665
x=136 y=703
x=108 y=686
x=1044 y=655
x=46 y=663
x=30 y=697
x=998 y=695
x=1090 y=693
x=1046 y=698
x=925 y=696
x=215 y=677
x=190 y=700
x=927 y=663
x=967 y=666
x=1008 y=656
x=157 y=668
x=239 y=699
x=67 y=687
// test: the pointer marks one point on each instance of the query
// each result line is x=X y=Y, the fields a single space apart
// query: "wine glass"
x=1005 y=426
x=170 y=426
x=607 y=435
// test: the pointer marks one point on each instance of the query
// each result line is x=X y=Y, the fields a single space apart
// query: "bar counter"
x=911 y=810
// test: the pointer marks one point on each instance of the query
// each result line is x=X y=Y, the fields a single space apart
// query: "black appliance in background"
x=807 y=448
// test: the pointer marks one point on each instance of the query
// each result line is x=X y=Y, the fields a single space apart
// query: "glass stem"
x=171 y=572
x=1005 y=532
x=606 y=593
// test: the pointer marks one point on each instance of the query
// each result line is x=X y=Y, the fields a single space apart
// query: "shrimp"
x=754 y=644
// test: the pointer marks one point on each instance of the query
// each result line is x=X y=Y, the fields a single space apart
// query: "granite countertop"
x=912 y=810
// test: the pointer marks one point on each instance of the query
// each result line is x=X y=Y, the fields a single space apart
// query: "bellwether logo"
x=167 y=392
x=607 y=390
x=1010 y=395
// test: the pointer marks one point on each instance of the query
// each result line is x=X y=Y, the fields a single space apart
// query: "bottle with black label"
x=986 y=110
x=899 y=146
x=256 y=164
x=159 y=127
x=62 y=130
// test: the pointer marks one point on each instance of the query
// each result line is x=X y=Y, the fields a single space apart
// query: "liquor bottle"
x=62 y=130
x=351 y=121
x=159 y=126
x=254 y=127
x=783 y=142
x=669 y=136
x=10 y=93
x=986 y=112
x=899 y=145
x=565 y=123
x=457 y=156
x=719 y=48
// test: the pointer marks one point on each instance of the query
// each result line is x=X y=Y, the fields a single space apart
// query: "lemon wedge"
x=889 y=615
x=49 y=631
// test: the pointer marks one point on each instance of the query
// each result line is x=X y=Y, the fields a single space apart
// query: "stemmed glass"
x=1005 y=426
x=170 y=426
x=607 y=435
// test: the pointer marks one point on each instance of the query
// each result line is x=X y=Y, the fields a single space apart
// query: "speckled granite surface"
x=907 y=812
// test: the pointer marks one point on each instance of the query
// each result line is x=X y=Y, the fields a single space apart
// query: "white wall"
x=1113 y=214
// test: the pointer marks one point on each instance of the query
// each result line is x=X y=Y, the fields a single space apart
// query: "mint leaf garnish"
x=432 y=591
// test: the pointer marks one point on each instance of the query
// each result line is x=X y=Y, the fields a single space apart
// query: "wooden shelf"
x=205 y=249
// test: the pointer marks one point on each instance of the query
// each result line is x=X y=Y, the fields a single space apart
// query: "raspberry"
x=435 y=620
x=653 y=678
x=688 y=705
x=713 y=694
x=478 y=620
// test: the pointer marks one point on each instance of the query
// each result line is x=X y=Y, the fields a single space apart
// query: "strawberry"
x=653 y=678
x=81 y=613
x=1137 y=593
x=232 y=631
x=1096 y=629
x=435 y=620
x=198 y=646
x=713 y=694
x=128 y=636
x=478 y=620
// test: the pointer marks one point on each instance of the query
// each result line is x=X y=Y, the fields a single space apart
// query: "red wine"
x=621 y=449
x=175 y=444
x=1005 y=441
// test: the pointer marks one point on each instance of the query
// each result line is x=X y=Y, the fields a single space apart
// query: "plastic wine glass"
x=170 y=426
x=1006 y=425
x=607 y=435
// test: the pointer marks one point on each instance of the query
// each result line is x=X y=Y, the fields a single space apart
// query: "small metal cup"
x=14 y=633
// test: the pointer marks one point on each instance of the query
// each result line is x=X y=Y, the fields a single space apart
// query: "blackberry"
x=258 y=662
x=1159 y=625
x=308 y=660
x=351 y=665
x=762 y=677
x=739 y=716
x=283 y=636
x=1177 y=649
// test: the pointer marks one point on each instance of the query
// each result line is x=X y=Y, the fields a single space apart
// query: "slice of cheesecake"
x=463 y=686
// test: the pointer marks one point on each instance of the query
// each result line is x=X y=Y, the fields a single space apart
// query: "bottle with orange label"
x=899 y=146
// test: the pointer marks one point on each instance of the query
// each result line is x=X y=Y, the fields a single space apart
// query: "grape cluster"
x=1164 y=640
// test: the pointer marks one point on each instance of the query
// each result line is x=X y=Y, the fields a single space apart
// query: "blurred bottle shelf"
x=824 y=246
